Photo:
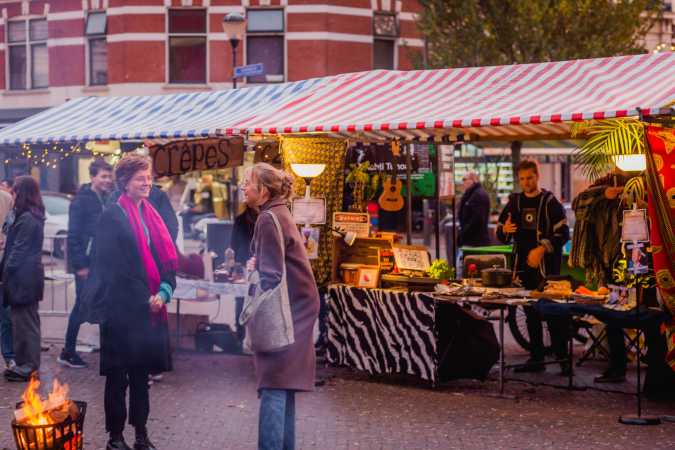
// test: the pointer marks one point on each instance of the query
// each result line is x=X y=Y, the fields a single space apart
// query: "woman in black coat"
x=135 y=264
x=23 y=276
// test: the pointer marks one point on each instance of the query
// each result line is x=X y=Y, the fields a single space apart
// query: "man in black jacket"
x=474 y=213
x=535 y=222
x=83 y=216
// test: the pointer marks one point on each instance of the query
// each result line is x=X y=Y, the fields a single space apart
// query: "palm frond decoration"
x=605 y=139
x=634 y=191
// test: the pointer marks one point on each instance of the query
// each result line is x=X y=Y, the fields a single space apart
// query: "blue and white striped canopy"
x=182 y=115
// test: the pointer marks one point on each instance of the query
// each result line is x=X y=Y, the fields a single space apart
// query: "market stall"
x=397 y=110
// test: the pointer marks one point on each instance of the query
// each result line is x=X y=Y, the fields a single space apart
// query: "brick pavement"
x=209 y=402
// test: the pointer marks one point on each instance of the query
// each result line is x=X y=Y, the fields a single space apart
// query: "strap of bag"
x=251 y=307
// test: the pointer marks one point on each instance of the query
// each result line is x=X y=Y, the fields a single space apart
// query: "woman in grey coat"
x=281 y=374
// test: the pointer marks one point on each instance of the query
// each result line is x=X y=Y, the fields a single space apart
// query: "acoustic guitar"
x=391 y=199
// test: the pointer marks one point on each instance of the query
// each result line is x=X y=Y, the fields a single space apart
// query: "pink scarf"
x=159 y=236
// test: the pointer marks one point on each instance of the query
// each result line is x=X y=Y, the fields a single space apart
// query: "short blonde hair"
x=277 y=182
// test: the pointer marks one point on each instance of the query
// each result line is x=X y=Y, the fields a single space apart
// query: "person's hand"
x=250 y=264
x=156 y=303
x=509 y=227
x=83 y=273
x=535 y=256
x=612 y=193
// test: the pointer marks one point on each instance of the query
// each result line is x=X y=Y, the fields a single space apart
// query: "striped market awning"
x=185 y=115
x=529 y=101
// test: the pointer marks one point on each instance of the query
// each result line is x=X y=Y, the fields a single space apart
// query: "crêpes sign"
x=179 y=157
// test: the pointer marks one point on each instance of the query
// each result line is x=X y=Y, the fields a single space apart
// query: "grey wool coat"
x=294 y=367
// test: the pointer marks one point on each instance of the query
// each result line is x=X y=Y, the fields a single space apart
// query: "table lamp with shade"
x=634 y=163
x=307 y=172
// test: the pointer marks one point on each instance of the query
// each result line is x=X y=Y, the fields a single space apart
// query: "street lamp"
x=234 y=25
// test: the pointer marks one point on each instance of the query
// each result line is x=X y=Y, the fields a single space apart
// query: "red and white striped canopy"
x=504 y=102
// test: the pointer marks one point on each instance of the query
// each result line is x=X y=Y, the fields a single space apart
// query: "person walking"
x=535 y=221
x=135 y=262
x=83 y=215
x=281 y=374
x=23 y=277
x=474 y=213
x=6 y=348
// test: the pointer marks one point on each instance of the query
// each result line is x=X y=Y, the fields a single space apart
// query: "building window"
x=385 y=32
x=187 y=46
x=265 y=43
x=98 y=48
x=28 y=56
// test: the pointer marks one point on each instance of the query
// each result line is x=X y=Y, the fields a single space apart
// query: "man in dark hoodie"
x=535 y=221
x=83 y=216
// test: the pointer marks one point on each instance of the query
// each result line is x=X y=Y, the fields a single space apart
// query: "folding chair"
x=598 y=340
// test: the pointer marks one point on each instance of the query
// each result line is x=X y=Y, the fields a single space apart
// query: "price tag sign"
x=358 y=223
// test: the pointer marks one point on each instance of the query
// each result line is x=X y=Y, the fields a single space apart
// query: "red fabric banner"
x=661 y=182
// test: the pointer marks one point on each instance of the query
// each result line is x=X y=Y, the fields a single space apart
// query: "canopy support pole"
x=437 y=221
x=408 y=194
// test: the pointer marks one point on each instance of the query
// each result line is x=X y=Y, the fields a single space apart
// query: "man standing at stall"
x=534 y=220
x=474 y=212
x=85 y=209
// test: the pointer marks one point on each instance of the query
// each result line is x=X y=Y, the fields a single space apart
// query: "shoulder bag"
x=267 y=314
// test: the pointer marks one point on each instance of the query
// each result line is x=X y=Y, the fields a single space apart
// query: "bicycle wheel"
x=518 y=327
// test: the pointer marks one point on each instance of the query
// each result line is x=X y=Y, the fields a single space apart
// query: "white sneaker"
x=156 y=377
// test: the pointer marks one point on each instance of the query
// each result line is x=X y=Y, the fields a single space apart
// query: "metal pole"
x=438 y=200
x=234 y=43
x=501 y=352
x=233 y=188
x=408 y=183
x=454 y=231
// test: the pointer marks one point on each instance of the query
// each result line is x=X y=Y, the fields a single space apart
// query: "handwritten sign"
x=411 y=257
x=635 y=228
x=179 y=157
x=358 y=223
x=309 y=210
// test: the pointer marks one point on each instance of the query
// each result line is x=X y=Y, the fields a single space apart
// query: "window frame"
x=281 y=34
x=95 y=37
x=169 y=35
x=386 y=37
x=28 y=45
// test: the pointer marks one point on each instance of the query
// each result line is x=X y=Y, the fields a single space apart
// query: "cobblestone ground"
x=209 y=402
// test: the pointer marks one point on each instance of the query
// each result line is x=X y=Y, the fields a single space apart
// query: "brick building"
x=54 y=50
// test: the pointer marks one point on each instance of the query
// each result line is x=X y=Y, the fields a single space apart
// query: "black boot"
x=142 y=440
x=531 y=365
x=116 y=442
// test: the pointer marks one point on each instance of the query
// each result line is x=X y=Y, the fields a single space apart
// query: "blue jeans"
x=276 y=427
x=6 y=344
x=75 y=319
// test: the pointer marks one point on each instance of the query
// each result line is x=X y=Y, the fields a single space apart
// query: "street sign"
x=249 y=71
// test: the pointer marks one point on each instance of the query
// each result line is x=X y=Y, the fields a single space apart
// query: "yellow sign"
x=179 y=157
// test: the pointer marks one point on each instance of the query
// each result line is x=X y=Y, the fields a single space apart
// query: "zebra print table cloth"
x=381 y=331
